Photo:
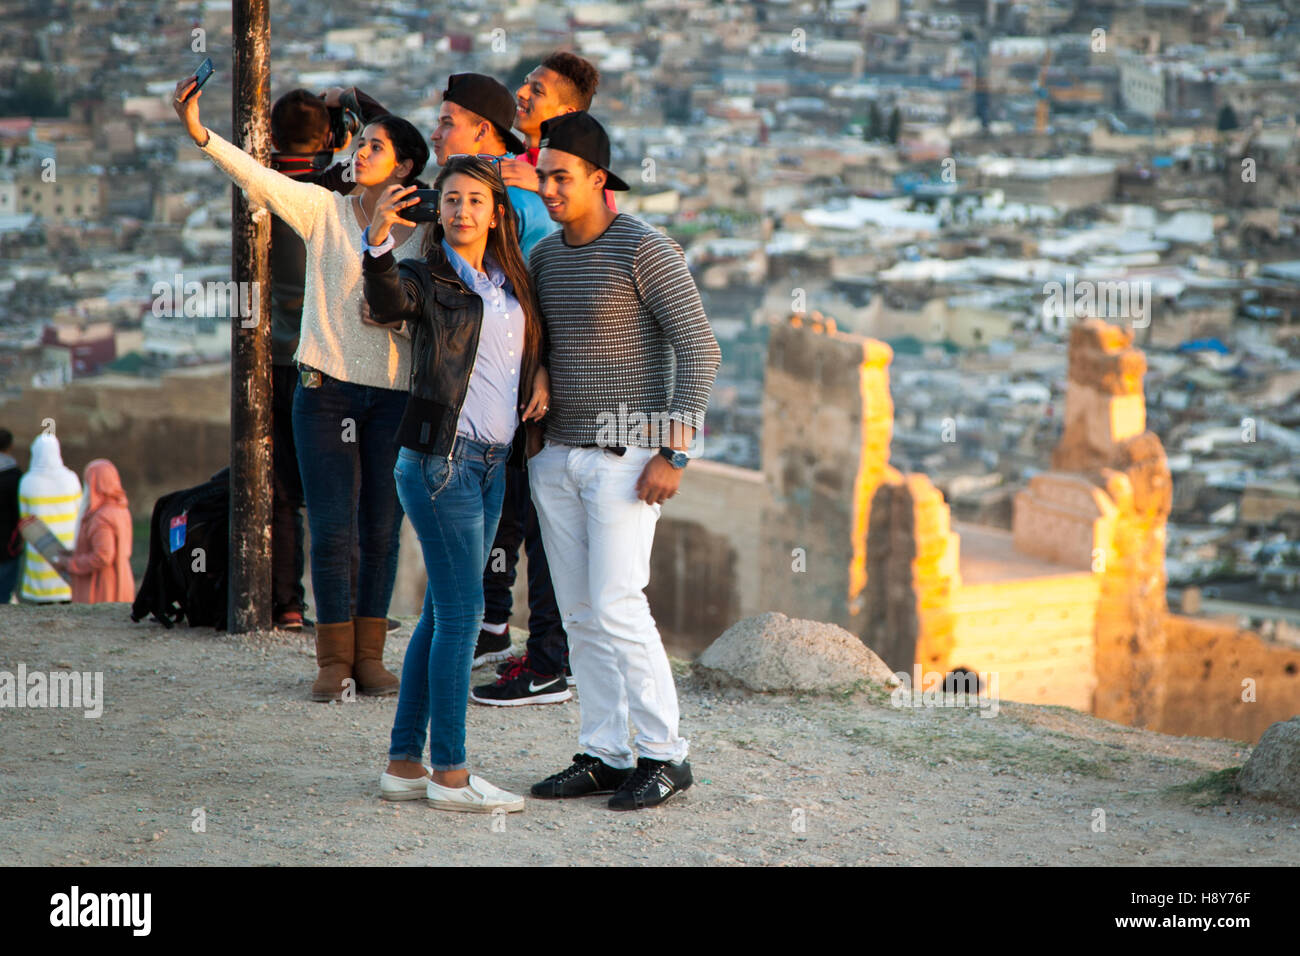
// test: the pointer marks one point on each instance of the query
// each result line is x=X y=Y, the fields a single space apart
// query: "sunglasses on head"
x=493 y=161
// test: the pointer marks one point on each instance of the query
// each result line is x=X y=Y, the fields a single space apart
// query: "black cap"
x=580 y=134
x=489 y=99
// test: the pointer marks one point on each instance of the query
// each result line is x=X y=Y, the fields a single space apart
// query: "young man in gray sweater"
x=632 y=361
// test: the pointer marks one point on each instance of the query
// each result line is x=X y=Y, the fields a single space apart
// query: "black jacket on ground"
x=9 y=478
x=445 y=319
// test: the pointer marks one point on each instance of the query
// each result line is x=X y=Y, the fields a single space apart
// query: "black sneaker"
x=653 y=782
x=491 y=647
x=394 y=623
x=511 y=661
x=520 y=685
x=587 y=775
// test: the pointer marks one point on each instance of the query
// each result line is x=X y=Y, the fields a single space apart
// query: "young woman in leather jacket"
x=476 y=378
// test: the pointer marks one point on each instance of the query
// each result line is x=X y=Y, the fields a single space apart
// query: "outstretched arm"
x=301 y=205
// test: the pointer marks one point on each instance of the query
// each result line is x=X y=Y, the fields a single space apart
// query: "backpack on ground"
x=188 y=544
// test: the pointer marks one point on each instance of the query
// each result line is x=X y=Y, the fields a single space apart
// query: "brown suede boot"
x=371 y=677
x=335 y=651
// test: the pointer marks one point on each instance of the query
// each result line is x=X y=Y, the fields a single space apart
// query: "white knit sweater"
x=333 y=339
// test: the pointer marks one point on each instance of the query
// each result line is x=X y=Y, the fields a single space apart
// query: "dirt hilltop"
x=218 y=729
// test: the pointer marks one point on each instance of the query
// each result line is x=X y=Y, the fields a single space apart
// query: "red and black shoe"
x=509 y=662
x=288 y=621
x=519 y=685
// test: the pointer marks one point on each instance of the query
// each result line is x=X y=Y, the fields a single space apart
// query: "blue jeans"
x=287 y=560
x=454 y=505
x=8 y=576
x=346 y=436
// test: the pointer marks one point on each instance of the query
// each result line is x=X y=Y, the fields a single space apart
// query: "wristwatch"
x=674 y=457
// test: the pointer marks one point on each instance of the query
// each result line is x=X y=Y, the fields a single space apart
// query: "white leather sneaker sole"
x=402 y=788
x=479 y=797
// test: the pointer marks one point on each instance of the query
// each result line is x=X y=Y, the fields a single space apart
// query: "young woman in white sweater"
x=351 y=393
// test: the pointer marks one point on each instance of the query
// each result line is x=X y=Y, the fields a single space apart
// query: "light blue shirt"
x=534 y=221
x=490 y=412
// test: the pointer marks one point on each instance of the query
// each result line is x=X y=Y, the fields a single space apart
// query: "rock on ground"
x=1273 y=770
x=774 y=653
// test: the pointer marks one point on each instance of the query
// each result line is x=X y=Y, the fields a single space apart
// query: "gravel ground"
x=196 y=720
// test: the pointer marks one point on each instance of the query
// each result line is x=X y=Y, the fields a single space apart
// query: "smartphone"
x=426 y=210
x=204 y=71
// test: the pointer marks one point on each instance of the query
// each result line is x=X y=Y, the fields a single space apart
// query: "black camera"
x=426 y=210
x=344 y=123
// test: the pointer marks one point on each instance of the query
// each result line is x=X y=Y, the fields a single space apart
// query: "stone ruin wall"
x=828 y=420
x=884 y=562
x=1105 y=441
x=1035 y=633
x=1205 y=671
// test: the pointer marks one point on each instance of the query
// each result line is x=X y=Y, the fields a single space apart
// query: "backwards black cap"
x=489 y=99
x=579 y=133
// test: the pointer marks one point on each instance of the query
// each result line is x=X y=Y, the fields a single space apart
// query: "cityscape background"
x=927 y=174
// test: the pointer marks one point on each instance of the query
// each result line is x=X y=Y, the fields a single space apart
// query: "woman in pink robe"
x=100 y=567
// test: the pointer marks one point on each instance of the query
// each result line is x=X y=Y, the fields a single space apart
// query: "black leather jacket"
x=445 y=318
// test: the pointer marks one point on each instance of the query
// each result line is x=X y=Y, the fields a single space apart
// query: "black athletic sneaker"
x=491 y=647
x=587 y=775
x=653 y=782
x=520 y=685
x=510 y=662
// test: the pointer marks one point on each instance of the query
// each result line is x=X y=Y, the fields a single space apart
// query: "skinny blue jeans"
x=454 y=505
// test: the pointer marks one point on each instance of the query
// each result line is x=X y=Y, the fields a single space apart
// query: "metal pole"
x=249 y=602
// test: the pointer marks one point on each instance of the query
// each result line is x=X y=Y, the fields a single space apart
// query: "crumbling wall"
x=1105 y=443
x=827 y=424
x=912 y=574
x=1036 y=634
x=1222 y=681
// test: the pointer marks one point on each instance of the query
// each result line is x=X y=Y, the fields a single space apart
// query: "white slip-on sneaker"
x=479 y=797
x=402 y=788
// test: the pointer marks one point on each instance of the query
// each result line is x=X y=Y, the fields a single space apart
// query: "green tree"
x=875 y=122
x=34 y=94
x=895 y=124
x=1227 y=119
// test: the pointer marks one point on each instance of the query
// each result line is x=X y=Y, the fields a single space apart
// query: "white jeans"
x=598 y=536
